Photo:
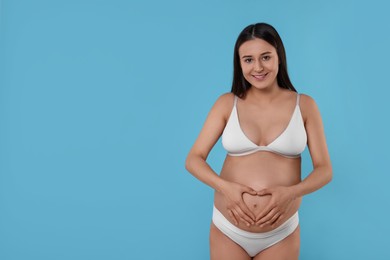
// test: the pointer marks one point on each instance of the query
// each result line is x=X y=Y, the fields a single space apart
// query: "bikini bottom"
x=253 y=243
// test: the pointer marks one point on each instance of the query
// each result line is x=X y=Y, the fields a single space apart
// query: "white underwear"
x=254 y=243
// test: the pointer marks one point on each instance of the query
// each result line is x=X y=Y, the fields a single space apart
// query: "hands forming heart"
x=278 y=205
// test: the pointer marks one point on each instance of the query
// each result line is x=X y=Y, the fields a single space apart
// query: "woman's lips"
x=260 y=77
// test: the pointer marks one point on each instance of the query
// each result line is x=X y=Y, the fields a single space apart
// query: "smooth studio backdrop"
x=100 y=102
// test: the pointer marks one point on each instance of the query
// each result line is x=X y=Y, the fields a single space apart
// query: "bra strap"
x=298 y=98
x=235 y=100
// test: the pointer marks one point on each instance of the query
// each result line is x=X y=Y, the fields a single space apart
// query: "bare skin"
x=260 y=191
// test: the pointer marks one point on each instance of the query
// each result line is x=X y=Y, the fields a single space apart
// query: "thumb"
x=250 y=191
x=264 y=192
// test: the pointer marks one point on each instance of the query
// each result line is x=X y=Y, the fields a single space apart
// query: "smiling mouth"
x=260 y=77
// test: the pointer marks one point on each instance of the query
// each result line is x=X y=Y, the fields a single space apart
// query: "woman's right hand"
x=236 y=206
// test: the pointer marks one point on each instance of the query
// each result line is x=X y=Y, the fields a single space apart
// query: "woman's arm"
x=319 y=177
x=316 y=142
x=196 y=161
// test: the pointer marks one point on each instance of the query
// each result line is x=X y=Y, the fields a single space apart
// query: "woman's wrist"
x=295 y=192
x=220 y=185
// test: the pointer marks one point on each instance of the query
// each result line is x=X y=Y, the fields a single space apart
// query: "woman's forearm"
x=318 y=178
x=198 y=167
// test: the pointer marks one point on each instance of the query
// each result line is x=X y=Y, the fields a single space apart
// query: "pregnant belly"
x=258 y=171
x=256 y=204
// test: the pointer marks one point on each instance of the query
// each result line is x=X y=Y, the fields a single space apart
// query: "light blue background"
x=100 y=102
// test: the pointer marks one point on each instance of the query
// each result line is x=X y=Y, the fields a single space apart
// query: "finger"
x=232 y=217
x=277 y=220
x=247 y=219
x=236 y=216
x=248 y=224
x=264 y=192
x=249 y=214
x=250 y=191
x=266 y=218
x=265 y=212
x=273 y=219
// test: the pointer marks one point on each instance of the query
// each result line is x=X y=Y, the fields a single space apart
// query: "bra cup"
x=233 y=139
x=293 y=140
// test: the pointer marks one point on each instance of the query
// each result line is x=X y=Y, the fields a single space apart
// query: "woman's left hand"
x=280 y=202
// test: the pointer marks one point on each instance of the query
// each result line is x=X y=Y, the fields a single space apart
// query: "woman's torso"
x=262 y=169
x=258 y=171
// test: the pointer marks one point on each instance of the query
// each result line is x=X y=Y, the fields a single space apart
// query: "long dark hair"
x=267 y=33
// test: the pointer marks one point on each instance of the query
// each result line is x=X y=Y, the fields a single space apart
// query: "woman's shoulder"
x=224 y=104
x=306 y=101
x=225 y=97
x=308 y=106
x=225 y=100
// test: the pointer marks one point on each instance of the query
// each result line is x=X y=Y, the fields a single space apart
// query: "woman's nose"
x=258 y=66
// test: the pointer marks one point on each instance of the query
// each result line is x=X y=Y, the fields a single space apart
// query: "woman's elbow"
x=192 y=158
x=187 y=163
x=329 y=174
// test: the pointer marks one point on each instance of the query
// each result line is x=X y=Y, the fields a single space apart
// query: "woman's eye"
x=266 y=57
x=248 y=60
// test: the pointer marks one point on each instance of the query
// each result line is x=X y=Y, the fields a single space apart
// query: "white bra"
x=290 y=143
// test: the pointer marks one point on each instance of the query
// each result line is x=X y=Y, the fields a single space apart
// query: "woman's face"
x=259 y=62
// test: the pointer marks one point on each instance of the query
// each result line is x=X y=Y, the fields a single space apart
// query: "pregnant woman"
x=265 y=125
